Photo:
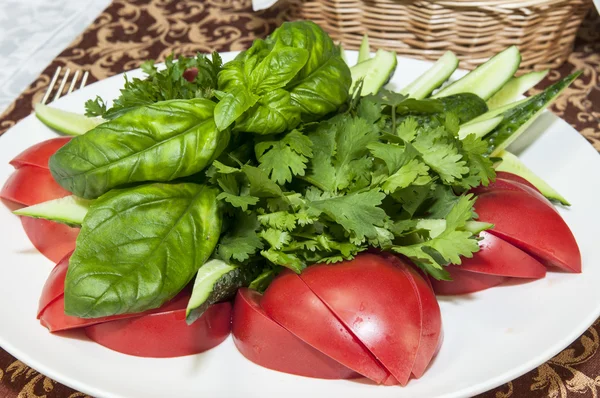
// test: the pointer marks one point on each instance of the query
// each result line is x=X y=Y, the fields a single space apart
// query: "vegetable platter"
x=279 y=221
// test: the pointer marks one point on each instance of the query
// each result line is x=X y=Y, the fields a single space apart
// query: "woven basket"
x=544 y=30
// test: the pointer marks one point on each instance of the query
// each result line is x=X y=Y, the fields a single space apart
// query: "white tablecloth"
x=32 y=33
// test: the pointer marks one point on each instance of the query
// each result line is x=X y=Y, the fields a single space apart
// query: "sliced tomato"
x=55 y=284
x=39 y=154
x=30 y=185
x=498 y=257
x=464 y=282
x=164 y=334
x=504 y=184
x=52 y=239
x=266 y=343
x=431 y=316
x=290 y=302
x=378 y=302
x=530 y=224
x=515 y=178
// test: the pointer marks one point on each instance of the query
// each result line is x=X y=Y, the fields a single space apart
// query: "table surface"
x=36 y=36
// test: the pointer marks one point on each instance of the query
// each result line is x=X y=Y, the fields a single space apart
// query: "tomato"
x=497 y=257
x=165 y=334
x=39 y=154
x=290 y=302
x=190 y=74
x=431 y=325
x=266 y=343
x=505 y=175
x=530 y=224
x=464 y=282
x=513 y=185
x=50 y=238
x=30 y=185
x=378 y=302
x=55 y=284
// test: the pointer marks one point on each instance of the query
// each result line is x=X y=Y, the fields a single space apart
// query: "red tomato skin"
x=190 y=74
x=532 y=226
x=431 y=316
x=50 y=238
x=505 y=175
x=378 y=302
x=55 y=284
x=464 y=282
x=498 y=257
x=504 y=184
x=164 y=334
x=30 y=185
x=266 y=343
x=39 y=154
x=290 y=302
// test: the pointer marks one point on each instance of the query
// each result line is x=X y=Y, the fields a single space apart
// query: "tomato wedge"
x=55 y=284
x=165 y=334
x=515 y=178
x=464 y=282
x=30 y=185
x=431 y=316
x=513 y=185
x=290 y=302
x=266 y=343
x=52 y=239
x=378 y=302
x=530 y=224
x=39 y=154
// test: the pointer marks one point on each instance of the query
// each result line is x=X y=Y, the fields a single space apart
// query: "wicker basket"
x=544 y=30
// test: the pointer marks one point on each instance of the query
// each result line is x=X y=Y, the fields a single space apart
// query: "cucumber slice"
x=375 y=72
x=517 y=119
x=512 y=164
x=498 y=111
x=515 y=87
x=433 y=78
x=488 y=78
x=480 y=129
x=66 y=122
x=216 y=280
x=476 y=227
x=364 y=53
x=437 y=226
x=69 y=210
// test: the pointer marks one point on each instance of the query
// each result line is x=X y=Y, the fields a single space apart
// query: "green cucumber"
x=476 y=227
x=512 y=164
x=437 y=226
x=66 y=122
x=487 y=78
x=69 y=210
x=517 y=119
x=375 y=72
x=498 y=111
x=465 y=106
x=433 y=78
x=515 y=88
x=216 y=281
x=480 y=129
x=364 y=52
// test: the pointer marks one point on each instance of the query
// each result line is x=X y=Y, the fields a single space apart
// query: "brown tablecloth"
x=131 y=31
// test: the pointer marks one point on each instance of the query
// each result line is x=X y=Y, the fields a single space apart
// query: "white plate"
x=490 y=337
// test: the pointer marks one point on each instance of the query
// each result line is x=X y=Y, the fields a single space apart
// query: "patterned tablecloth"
x=131 y=31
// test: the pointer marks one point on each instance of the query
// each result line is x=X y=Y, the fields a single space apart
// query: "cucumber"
x=515 y=87
x=466 y=106
x=364 y=52
x=216 y=280
x=498 y=111
x=488 y=78
x=517 y=119
x=375 y=72
x=69 y=210
x=480 y=129
x=433 y=78
x=437 y=226
x=512 y=164
x=66 y=122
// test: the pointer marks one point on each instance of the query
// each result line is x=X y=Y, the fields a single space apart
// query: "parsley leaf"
x=285 y=157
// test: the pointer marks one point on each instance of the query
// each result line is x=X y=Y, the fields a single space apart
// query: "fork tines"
x=63 y=83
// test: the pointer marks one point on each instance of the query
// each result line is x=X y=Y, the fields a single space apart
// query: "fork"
x=63 y=83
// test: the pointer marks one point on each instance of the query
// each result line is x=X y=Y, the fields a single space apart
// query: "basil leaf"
x=158 y=142
x=139 y=247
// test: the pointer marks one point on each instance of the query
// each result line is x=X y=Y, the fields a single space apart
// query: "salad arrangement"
x=329 y=207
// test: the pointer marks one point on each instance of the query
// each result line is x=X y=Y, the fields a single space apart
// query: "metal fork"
x=63 y=83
